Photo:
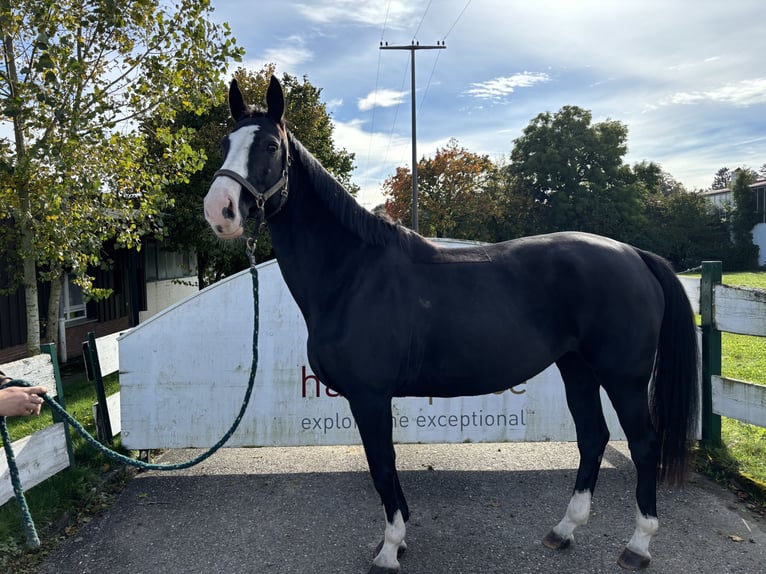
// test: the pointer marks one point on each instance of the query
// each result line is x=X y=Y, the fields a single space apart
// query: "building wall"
x=162 y=294
x=759 y=239
x=13 y=353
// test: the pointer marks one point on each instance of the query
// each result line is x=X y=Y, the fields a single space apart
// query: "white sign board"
x=183 y=375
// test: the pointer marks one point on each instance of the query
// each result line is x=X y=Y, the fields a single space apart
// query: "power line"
x=428 y=84
x=459 y=16
x=375 y=92
x=415 y=35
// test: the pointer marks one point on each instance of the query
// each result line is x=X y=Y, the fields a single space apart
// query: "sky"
x=687 y=77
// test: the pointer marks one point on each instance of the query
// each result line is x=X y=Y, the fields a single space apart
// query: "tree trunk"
x=201 y=268
x=30 y=295
x=24 y=220
x=54 y=304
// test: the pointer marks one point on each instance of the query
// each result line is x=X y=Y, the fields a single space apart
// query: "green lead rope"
x=33 y=541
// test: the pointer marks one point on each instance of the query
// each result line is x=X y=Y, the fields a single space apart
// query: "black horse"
x=390 y=314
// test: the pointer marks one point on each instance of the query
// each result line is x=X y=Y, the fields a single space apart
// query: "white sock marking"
x=392 y=540
x=646 y=528
x=577 y=514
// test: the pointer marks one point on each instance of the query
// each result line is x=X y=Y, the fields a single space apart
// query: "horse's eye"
x=272 y=147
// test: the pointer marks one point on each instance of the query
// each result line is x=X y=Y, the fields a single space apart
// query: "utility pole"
x=412 y=48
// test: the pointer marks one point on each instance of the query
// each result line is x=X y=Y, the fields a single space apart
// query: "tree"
x=76 y=77
x=744 y=217
x=656 y=180
x=722 y=178
x=307 y=119
x=453 y=194
x=574 y=174
x=682 y=228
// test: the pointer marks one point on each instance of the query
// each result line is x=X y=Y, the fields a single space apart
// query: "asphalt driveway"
x=476 y=508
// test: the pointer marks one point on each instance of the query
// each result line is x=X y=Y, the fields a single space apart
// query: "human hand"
x=21 y=401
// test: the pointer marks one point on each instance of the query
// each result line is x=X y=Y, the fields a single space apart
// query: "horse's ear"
x=275 y=100
x=236 y=101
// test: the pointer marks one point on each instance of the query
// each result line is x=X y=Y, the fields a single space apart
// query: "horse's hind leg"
x=373 y=417
x=584 y=401
x=631 y=404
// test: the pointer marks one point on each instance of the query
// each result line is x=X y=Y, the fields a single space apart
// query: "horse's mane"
x=370 y=228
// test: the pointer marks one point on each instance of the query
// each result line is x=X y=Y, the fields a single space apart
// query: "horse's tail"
x=674 y=394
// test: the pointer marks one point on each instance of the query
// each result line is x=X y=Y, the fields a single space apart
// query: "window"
x=162 y=264
x=72 y=300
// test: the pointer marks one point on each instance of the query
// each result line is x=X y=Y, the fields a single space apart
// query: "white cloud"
x=382 y=98
x=394 y=14
x=378 y=155
x=743 y=93
x=291 y=54
x=498 y=88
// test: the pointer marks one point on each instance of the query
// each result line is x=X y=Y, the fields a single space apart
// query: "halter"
x=262 y=197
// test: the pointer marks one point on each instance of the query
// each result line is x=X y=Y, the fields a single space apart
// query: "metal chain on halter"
x=33 y=541
x=251 y=241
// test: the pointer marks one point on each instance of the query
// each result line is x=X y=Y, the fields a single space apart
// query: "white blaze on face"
x=223 y=195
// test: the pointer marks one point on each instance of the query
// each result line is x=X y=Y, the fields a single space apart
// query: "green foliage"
x=573 y=173
x=744 y=218
x=722 y=178
x=683 y=229
x=75 y=77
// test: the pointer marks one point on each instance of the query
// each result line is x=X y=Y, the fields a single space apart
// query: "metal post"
x=414 y=150
x=412 y=47
x=711 y=351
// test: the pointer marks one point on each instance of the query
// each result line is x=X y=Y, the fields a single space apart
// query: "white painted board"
x=44 y=453
x=740 y=310
x=184 y=372
x=108 y=353
x=37 y=370
x=115 y=414
x=691 y=286
x=739 y=400
x=38 y=457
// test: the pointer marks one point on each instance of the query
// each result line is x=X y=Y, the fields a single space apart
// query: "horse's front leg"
x=373 y=417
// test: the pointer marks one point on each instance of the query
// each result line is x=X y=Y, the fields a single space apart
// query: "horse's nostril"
x=228 y=211
x=219 y=228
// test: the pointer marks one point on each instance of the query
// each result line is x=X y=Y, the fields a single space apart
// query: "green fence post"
x=711 y=351
x=103 y=422
x=50 y=349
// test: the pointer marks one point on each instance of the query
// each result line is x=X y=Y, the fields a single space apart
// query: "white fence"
x=47 y=451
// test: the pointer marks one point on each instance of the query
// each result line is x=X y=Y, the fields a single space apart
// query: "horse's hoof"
x=399 y=551
x=556 y=542
x=632 y=561
x=380 y=570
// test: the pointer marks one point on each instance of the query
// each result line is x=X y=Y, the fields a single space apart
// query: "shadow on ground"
x=482 y=509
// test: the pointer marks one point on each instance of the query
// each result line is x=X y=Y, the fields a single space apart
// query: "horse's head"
x=256 y=157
